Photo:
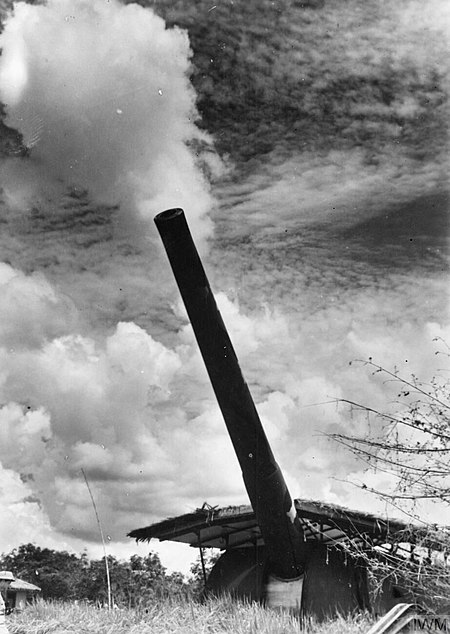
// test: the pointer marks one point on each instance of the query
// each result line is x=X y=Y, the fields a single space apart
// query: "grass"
x=177 y=616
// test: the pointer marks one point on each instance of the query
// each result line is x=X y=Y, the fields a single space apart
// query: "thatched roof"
x=236 y=526
x=19 y=585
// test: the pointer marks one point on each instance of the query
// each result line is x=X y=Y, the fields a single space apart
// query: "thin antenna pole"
x=108 y=579
x=202 y=559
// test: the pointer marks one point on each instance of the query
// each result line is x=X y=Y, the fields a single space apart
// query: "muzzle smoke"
x=101 y=93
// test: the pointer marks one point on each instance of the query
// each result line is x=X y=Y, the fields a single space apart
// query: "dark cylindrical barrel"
x=263 y=479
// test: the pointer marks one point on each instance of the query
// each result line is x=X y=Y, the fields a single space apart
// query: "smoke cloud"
x=101 y=93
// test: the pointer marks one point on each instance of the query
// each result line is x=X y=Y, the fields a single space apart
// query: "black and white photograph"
x=224 y=316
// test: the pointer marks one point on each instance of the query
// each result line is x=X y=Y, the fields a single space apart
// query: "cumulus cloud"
x=112 y=408
x=140 y=418
x=31 y=312
x=23 y=519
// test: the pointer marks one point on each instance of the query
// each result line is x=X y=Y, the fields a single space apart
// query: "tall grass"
x=179 y=616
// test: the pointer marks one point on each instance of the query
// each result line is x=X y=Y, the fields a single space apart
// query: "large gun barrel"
x=264 y=481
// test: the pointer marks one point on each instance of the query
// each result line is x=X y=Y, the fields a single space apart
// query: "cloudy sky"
x=315 y=185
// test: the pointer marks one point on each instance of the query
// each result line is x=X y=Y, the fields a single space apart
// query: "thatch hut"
x=19 y=593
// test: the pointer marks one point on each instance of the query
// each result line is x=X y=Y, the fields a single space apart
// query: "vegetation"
x=174 y=615
x=411 y=444
x=146 y=599
x=65 y=576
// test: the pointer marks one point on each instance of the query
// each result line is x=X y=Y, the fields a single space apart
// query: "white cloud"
x=31 y=311
x=105 y=102
x=140 y=418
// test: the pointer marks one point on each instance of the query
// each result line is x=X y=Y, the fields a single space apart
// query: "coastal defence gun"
x=282 y=552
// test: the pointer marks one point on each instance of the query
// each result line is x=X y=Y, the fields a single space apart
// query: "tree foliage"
x=66 y=576
x=53 y=571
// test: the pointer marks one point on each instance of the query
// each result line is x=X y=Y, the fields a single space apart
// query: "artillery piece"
x=282 y=552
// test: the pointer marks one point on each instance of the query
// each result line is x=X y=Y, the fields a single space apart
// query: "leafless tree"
x=410 y=442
